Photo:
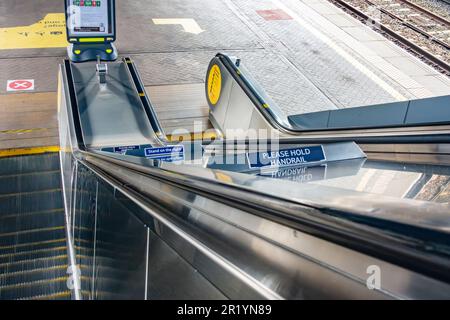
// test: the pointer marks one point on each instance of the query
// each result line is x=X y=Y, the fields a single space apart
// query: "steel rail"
x=426 y=11
x=424 y=54
x=410 y=25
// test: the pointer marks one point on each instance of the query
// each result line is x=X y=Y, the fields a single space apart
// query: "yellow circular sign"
x=214 y=84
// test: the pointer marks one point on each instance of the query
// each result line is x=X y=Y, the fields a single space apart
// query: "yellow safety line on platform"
x=22 y=130
x=50 y=32
x=193 y=136
x=28 y=151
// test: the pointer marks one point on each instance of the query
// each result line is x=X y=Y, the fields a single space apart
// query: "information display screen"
x=90 y=18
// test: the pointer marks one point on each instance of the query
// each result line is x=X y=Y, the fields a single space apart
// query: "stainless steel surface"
x=423 y=214
x=237 y=117
x=234 y=113
x=253 y=236
x=231 y=278
x=259 y=238
x=409 y=148
x=111 y=113
x=102 y=71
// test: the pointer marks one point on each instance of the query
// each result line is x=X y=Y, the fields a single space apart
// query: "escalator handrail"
x=352 y=229
x=253 y=95
x=75 y=112
x=145 y=100
x=357 y=232
x=283 y=126
x=263 y=291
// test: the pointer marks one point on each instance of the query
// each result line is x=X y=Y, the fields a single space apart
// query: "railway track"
x=415 y=28
x=429 y=23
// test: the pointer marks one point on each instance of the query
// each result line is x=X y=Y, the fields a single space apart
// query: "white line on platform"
x=189 y=25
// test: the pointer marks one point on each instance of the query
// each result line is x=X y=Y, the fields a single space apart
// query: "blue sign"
x=286 y=158
x=168 y=153
x=125 y=149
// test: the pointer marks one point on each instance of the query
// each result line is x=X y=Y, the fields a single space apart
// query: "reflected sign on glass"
x=300 y=174
x=124 y=149
x=168 y=153
x=286 y=157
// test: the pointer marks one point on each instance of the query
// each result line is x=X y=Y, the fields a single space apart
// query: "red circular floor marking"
x=20 y=85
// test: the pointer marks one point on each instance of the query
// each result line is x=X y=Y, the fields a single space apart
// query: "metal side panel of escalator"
x=146 y=228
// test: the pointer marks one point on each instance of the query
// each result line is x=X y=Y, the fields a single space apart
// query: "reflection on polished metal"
x=276 y=206
x=228 y=232
x=244 y=106
x=102 y=71
x=212 y=215
x=110 y=113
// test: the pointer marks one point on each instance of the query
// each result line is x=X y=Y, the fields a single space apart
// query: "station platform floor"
x=308 y=55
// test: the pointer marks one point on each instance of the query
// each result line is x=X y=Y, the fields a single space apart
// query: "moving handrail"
x=386 y=235
x=255 y=237
x=429 y=118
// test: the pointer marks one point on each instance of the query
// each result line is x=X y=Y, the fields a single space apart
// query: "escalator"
x=244 y=105
x=33 y=250
x=141 y=217
x=405 y=139
x=225 y=226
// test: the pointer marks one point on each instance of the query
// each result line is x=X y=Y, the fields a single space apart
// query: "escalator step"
x=33 y=289
x=63 y=295
x=30 y=182
x=31 y=214
x=30 y=237
x=31 y=275
x=31 y=247
x=29 y=164
x=17 y=223
x=41 y=263
x=35 y=254
x=30 y=202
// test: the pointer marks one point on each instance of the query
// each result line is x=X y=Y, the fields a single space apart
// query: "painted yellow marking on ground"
x=223 y=177
x=49 y=32
x=214 y=84
x=207 y=135
x=27 y=151
x=189 y=25
x=20 y=131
